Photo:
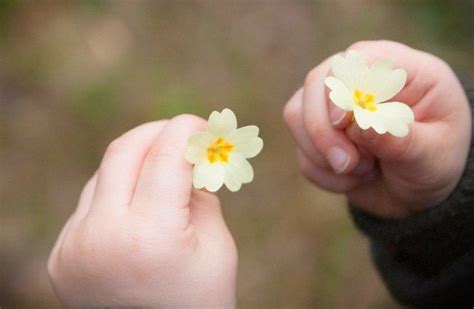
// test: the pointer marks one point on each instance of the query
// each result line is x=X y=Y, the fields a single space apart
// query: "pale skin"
x=141 y=235
x=387 y=176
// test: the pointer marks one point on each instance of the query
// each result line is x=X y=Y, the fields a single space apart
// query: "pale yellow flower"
x=364 y=90
x=220 y=154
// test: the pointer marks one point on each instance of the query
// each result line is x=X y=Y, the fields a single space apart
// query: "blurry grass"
x=190 y=57
x=333 y=256
x=97 y=7
x=449 y=22
x=97 y=103
x=175 y=100
x=7 y=8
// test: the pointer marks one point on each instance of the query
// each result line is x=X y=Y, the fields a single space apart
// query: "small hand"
x=141 y=235
x=388 y=176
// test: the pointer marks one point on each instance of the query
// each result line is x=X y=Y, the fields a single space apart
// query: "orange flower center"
x=219 y=151
x=364 y=100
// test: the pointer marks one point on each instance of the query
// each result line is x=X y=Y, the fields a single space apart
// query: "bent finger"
x=165 y=182
x=339 y=151
x=293 y=115
x=120 y=167
x=324 y=179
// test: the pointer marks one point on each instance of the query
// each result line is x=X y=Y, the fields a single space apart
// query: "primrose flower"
x=220 y=154
x=364 y=90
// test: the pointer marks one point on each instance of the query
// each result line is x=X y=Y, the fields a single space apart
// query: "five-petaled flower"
x=220 y=154
x=363 y=90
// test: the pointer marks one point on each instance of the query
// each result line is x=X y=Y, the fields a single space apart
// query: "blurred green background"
x=76 y=74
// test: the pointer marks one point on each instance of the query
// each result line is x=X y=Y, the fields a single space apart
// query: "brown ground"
x=74 y=76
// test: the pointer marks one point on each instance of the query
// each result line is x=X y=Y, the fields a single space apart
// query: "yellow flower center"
x=219 y=151
x=364 y=100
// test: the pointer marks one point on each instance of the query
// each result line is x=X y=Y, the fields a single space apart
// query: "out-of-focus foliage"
x=76 y=74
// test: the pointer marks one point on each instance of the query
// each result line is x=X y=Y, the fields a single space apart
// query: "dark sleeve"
x=427 y=260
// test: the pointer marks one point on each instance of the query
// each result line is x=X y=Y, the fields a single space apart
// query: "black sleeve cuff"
x=431 y=254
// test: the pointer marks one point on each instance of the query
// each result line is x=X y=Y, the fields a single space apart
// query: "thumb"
x=206 y=213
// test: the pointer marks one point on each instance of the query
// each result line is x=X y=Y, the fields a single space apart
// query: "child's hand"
x=141 y=235
x=388 y=176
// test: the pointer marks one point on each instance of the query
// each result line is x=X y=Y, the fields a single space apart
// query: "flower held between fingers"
x=220 y=154
x=364 y=91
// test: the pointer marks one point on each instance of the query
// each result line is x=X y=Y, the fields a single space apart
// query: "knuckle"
x=51 y=267
x=115 y=147
x=189 y=120
x=435 y=63
x=290 y=113
x=89 y=186
x=371 y=44
x=314 y=76
x=164 y=152
x=362 y=44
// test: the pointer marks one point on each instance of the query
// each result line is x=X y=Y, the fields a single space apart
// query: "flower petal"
x=209 y=176
x=251 y=148
x=364 y=118
x=197 y=145
x=392 y=117
x=246 y=141
x=239 y=169
x=232 y=183
x=383 y=81
x=349 y=68
x=221 y=124
x=396 y=117
x=244 y=133
x=340 y=94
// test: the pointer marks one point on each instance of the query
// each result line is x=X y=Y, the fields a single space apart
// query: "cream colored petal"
x=209 y=176
x=396 y=117
x=392 y=117
x=340 y=94
x=356 y=59
x=221 y=124
x=241 y=135
x=246 y=141
x=349 y=68
x=382 y=81
x=239 y=169
x=250 y=149
x=364 y=118
x=197 y=146
x=232 y=183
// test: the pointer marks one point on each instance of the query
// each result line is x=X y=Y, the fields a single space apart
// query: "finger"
x=52 y=260
x=206 y=212
x=324 y=179
x=338 y=150
x=87 y=195
x=339 y=118
x=165 y=182
x=81 y=211
x=120 y=167
x=293 y=115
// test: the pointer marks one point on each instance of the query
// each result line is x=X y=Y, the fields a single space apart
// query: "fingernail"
x=338 y=159
x=336 y=115
x=364 y=166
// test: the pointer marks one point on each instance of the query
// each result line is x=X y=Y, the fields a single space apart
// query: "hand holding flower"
x=394 y=159
x=141 y=235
